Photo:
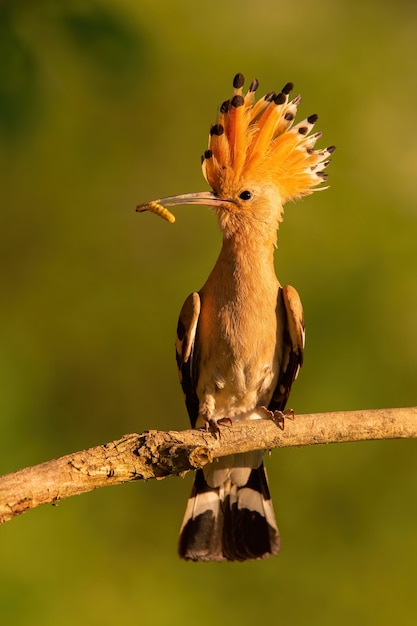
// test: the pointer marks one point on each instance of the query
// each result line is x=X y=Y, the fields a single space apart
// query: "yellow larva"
x=158 y=209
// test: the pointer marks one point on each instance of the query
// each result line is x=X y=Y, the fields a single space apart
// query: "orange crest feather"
x=254 y=141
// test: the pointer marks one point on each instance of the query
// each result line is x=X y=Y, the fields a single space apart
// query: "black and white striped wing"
x=185 y=352
x=293 y=346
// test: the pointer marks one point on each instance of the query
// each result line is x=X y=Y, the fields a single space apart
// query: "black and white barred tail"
x=233 y=522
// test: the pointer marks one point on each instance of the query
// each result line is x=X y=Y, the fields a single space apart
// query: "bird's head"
x=257 y=159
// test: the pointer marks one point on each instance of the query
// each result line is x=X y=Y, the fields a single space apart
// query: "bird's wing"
x=185 y=343
x=293 y=346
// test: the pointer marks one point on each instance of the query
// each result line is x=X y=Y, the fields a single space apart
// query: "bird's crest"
x=258 y=140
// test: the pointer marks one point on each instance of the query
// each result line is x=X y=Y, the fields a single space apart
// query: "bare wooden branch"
x=157 y=454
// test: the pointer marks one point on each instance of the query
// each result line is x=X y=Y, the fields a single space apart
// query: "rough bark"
x=157 y=454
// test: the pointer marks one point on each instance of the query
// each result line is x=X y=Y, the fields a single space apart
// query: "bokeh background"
x=105 y=103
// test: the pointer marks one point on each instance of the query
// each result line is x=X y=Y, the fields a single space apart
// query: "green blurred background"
x=107 y=103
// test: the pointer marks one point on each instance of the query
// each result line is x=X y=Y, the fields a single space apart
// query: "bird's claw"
x=269 y=414
x=212 y=425
x=279 y=417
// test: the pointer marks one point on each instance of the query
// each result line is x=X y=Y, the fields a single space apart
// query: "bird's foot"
x=212 y=425
x=269 y=414
x=278 y=416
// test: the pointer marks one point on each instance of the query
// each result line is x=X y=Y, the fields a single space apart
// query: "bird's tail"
x=233 y=522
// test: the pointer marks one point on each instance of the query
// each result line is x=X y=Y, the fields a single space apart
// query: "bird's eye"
x=245 y=195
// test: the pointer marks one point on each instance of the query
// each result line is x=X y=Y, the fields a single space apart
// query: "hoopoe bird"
x=240 y=339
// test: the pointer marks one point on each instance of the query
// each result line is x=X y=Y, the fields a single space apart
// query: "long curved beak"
x=159 y=206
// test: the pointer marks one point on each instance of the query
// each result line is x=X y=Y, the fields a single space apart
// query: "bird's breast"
x=239 y=345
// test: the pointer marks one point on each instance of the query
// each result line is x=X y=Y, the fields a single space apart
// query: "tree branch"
x=157 y=454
